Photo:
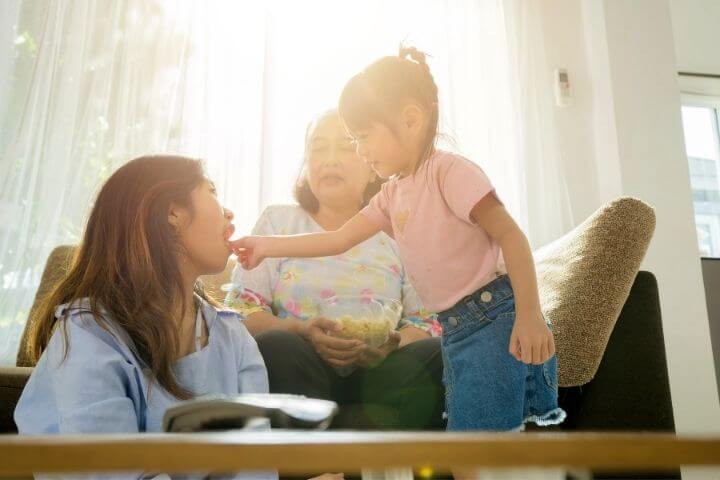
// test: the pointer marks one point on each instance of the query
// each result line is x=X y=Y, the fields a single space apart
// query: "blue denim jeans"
x=486 y=387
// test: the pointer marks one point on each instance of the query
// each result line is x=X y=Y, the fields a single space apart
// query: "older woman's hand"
x=338 y=352
x=372 y=357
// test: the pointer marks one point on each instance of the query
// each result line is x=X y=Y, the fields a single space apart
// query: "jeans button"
x=486 y=296
x=453 y=321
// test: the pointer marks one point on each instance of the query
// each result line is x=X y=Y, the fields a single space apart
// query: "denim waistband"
x=485 y=298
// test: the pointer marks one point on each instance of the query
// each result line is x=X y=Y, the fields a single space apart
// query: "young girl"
x=499 y=366
x=129 y=331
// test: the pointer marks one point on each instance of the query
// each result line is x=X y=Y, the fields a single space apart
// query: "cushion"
x=56 y=267
x=584 y=279
x=12 y=382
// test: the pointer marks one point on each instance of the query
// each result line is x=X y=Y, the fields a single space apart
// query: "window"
x=701 y=120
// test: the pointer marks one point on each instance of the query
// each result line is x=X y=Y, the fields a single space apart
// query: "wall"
x=653 y=166
x=696 y=27
x=625 y=129
x=564 y=48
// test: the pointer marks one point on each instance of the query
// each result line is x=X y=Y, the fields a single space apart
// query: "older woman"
x=397 y=385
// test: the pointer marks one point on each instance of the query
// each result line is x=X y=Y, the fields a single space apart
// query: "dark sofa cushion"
x=631 y=389
x=12 y=382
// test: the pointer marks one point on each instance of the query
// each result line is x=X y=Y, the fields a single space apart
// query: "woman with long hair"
x=129 y=331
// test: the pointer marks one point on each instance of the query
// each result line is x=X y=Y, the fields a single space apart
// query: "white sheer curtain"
x=89 y=84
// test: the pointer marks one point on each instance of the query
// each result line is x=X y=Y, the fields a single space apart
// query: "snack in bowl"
x=369 y=319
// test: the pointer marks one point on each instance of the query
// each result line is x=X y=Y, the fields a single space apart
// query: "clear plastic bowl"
x=363 y=318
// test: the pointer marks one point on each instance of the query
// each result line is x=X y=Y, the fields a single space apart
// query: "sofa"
x=618 y=383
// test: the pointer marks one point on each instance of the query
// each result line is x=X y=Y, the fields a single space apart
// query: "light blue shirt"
x=102 y=386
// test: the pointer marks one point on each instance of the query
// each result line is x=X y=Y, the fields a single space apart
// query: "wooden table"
x=296 y=452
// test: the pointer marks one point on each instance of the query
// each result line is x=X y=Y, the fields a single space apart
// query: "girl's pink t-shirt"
x=447 y=255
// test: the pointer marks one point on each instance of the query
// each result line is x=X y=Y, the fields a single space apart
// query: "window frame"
x=704 y=93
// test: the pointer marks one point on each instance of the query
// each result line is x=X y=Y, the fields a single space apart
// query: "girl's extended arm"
x=254 y=249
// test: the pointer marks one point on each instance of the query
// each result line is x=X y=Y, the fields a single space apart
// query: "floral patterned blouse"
x=295 y=287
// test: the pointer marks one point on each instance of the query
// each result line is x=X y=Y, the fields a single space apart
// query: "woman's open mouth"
x=229 y=232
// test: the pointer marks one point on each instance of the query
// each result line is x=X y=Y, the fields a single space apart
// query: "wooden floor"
x=294 y=452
